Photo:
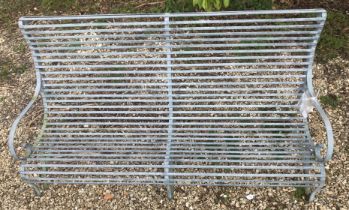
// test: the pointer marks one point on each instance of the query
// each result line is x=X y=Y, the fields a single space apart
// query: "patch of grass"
x=250 y=4
x=20 y=69
x=334 y=40
x=300 y=193
x=330 y=100
x=21 y=48
x=179 y=6
x=11 y=10
x=137 y=7
x=54 y=5
x=266 y=108
x=4 y=73
x=75 y=45
x=8 y=68
x=155 y=9
x=222 y=197
x=125 y=9
x=113 y=75
x=118 y=69
x=214 y=5
x=116 y=74
x=279 y=157
x=228 y=170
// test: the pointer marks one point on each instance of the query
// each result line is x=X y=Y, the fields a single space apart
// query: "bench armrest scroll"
x=329 y=132
x=14 y=126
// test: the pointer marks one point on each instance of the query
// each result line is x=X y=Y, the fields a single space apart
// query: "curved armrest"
x=315 y=103
x=325 y=120
x=13 y=129
x=329 y=132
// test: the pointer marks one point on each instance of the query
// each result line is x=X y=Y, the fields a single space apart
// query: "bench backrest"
x=173 y=71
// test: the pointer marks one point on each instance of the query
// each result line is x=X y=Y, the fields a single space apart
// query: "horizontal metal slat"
x=184 y=151
x=174 y=84
x=157 y=35
x=166 y=106
x=294 y=160
x=173 y=40
x=212 y=77
x=174 y=134
x=179 y=29
x=175 y=166
x=251 y=100
x=161 y=98
x=178 y=52
x=260 y=156
x=176 y=65
x=174 y=129
x=72 y=60
x=113 y=47
x=261 y=70
x=196 y=14
x=162 y=23
x=163 y=84
x=187 y=182
x=170 y=174
x=211 y=89
x=179 y=160
x=174 y=144
x=190 y=137
x=199 y=150
x=178 y=118
x=288 y=124
x=176 y=112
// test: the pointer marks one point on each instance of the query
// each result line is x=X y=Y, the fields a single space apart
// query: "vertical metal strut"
x=170 y=109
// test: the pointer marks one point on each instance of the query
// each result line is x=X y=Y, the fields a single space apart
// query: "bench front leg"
x=14 y=126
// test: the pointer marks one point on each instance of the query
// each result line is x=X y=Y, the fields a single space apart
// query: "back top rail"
x=189 y=14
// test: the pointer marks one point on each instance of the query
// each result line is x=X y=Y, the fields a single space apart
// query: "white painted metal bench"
x=176 y=99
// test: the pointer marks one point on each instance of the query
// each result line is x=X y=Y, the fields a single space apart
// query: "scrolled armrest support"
x=325 y=119
x=329 y=132
x=14 y=126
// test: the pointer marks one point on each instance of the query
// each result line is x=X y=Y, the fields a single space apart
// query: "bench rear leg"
x=36 y=189
x=170 y=191
x=312 y=192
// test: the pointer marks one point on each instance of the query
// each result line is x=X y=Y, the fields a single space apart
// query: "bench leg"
x=36 y=189
x=170 y=191
x=312 y=193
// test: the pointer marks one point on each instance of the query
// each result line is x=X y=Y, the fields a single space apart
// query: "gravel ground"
x=15 y=194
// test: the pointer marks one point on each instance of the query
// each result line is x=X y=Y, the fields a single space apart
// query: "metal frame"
x=40 y=41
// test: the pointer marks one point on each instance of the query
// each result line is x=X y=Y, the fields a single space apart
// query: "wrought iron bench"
x=176 y=99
